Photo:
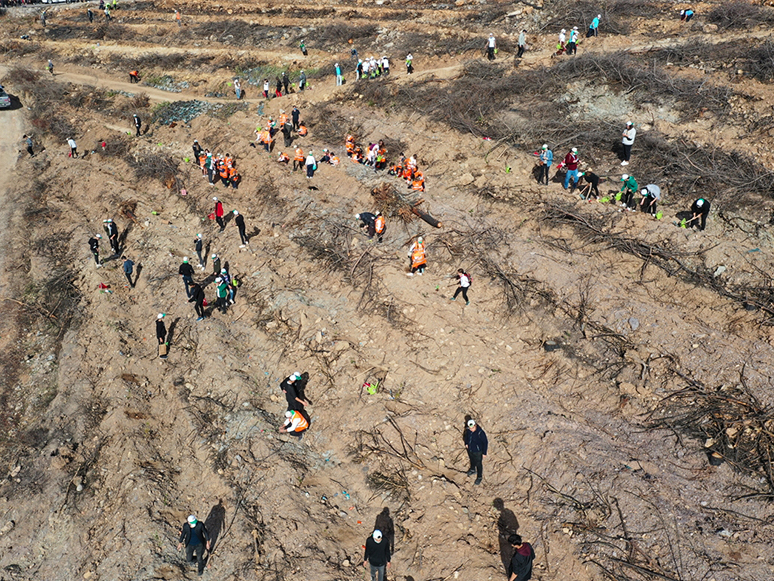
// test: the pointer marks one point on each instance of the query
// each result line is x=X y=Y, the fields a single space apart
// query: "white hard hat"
x=185 y=259
x=625 y=177
x=160 y=316
x=644 y=192
x=215 y=199
x=575 y=150
x=288 y=414
x=357 y=216
x=236 y=213
x=563 y=30
x=545 y=146
x=471 y=422
x=192 y=520
x=377 y=534
x=420 y=240
x=699 y=202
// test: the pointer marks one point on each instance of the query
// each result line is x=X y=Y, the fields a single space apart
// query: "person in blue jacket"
x=546 y=159
x=477 y=446
x=594 y=27
x=686 y=15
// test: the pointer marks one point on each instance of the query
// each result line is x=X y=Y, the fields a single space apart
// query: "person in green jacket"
x=626 y=195
x=222 y=292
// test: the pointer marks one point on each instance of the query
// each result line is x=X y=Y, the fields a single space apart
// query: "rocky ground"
x=605 y=353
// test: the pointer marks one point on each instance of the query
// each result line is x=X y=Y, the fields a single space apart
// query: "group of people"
x=407 y=169
x=371 y=68
x=216 y=167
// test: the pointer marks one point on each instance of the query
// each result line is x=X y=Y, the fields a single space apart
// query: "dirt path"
x=13 y=124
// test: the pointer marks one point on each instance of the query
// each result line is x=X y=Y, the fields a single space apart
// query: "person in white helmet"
x=562 y=45
x=293 y=387
x=161 y=329
x=490 y=47
x=377 y=555
x=700 y=210
x=295 y=423
x=546 y=159
x=594 y=27
x=572 y=45
x=194 y=536
x=628 y=134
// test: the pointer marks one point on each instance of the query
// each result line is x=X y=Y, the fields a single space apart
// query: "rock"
x=339 y=346
x=466 y=179
x=628 y=388
x=345 y=563
x=709 y=28
x=7 y=528
x=318 y=337
x=634 y=323
x=720 y=270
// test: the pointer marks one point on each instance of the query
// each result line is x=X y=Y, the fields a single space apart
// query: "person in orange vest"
x=134 y=77
x=357 y=155
x=295 y=423
x=418 y=183
x=298 y=159
x=203 y=161
x=350 y=145
x=283 y=158
x=380 y=225
x=268 y=140
x=419 y=244
x=234 y=177
x=418 y=261
x=228 y=160
x=334 y=160
x=223 y=172
x=282 y=118
x=302 y=130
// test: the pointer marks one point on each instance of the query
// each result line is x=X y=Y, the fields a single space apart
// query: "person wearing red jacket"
x=219 y=214
x=571 y=162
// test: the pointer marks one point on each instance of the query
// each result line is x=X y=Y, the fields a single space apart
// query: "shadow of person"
x=214 y=523
x=507 y=525
x=171 y=331
x=138 y=271
x=385 y=524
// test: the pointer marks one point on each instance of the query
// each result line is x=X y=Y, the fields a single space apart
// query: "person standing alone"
x=628 y=140
x=522 y=43
x=477 y=446
x=219 y=214
x=546 y=159
x=73 y=147
x=239 y=220
x=137 y=124
x=94 y=247
x=490 y=47
x=128 y=270
x=28 y=141
x=377 y=555
x=520 y=568
x=194 y=536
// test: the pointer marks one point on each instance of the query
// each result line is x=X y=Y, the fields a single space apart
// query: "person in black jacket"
x=477 y=446
x=186 y=271
x=112 y=233
x=198 y=246
x=295 y=115
x=239 y=220
x=197 y=298
x=700 y=210
x=197 y=151
x=592 y=185
x=194 y=536
x=521 y=563
x=137 y=124
x=161 y=329
x=377 y=554
x=290 y=388
x=94 y=247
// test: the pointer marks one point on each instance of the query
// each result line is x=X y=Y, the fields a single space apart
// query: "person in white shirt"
x=464 y=280
x=562 y=42
x=490 y=47
x=572 y=46
x=385 y=66
x=73 y=147
x=651 y=195
x=311 y=165
x=628 y=140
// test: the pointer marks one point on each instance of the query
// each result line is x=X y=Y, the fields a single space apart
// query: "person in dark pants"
x=186 y=271
x=198 y=246
x=128 y=269
x=112 y=232
x=368 y=223
x=239 y=220
x=628 y=135
x=546 y=159
x=285 y=81
x=94 y=247
x=490 y=47
x=197 y=150
x=137 y=124
x=477 y=445
x=520 y=568
x=290 y=387
x=592 y=185
x=522 y=44
x=215 y=259
x=464 y=280
x=385 y=524
x=90 y=14
x=194 y=536
x=651 y=194
x=219 y=214
x=161 y=329
x=197 y=298
x=287 y=134
x=700 y=210
x=28 y=141
x=295 y=114
x=377 y=555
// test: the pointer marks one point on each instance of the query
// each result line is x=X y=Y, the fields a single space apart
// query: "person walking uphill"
x=219 y=214
x=377 y=555
x=520 y=568
x=128 y=270
x=628 y=140
x=464 y=280
x=137 y=124
x=197 y=298
x=194 y=537
x=477 y=445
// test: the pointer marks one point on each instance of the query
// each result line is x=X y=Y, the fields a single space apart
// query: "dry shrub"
x=140 y=101
x=756 y=59
x=339 y=34
x=731 y=15
x=149 y=165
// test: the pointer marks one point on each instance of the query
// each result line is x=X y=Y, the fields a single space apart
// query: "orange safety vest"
x=419 y=181
x=283 y=157
x=134 y=73
x=228 y=161
x=303 y=425
x=407 y=171
x=231 y=172
x=299 y=155
x=223 y=171
x=235 y=177
x=418 y=258
x=379 y=224
x=302 y=130
x=283 y=119
x=334 y=160
x=202 y=160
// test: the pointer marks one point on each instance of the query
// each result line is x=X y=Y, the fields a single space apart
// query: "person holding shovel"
x=700 y=210
x=651 y=194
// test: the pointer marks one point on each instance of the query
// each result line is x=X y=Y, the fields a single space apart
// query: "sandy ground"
x=101 y=476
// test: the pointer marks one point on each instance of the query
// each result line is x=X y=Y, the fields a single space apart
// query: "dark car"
x=5 y=100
